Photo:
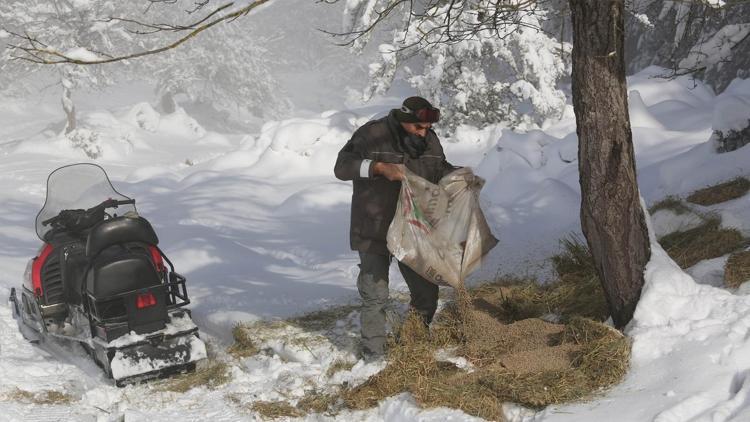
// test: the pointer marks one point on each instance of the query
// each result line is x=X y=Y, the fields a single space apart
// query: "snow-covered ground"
x=259 y=226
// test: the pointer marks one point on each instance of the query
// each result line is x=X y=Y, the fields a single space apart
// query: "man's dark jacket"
x=375 y=197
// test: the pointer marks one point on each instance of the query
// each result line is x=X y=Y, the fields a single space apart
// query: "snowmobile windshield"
x=78 y=186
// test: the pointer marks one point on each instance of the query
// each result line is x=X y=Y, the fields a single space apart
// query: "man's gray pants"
x=372 y=284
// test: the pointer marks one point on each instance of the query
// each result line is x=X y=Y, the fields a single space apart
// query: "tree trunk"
x=68 y=105
x=168 y=103
x=611 y=215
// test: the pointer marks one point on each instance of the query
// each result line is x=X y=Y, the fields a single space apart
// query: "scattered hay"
x=531 y=362
x=339 y=365
x=605 y=353
x=706 y=241
x=411 y=367
x=672 y=203
x=536 y=390
x=275 y=409
x=461 y=391
x=315 y=401
x=599 y=358
x=323 y=319
x=737 y=269
x=213 y=374
x=516 y=356
x=722 y=192
x=307 y=331
x=39 y=397
x=250 y=336
x=243 y=343
x=262 y=330
x=540 y=359
x=511 y=300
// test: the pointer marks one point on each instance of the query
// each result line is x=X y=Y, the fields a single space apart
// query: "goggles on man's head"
x=427 y=115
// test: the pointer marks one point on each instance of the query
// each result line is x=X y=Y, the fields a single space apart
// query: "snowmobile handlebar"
x=109 y=203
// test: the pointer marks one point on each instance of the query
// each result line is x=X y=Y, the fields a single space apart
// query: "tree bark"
x=168 y=103
x=612 y=219
x=68 y=105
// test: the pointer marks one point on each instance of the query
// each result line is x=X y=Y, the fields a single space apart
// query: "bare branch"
x=33 y=50
x=153 y=2
x=495 y=17
x=158 y=27
x=198 y=6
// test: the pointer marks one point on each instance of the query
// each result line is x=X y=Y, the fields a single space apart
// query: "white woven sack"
x=439 y=230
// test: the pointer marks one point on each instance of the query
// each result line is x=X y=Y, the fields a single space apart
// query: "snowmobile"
x=100 y=280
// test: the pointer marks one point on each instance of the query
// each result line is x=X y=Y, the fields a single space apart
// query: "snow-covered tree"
x=75 y=27
x=709 y=39
x=486 y=65
x=224 y=68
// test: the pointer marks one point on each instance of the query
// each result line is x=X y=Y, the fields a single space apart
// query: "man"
x=374 y=159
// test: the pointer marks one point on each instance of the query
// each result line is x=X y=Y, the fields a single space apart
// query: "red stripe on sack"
x=406 y=200
x=419 y=225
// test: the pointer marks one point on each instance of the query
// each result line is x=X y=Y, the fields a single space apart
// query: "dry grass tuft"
x=213 y=374
x=722 y=192
x=737 y=269
x=578 y=291
x=39 y=397
x=275 y=409
x=706 y=241
x=243 y=343
x=575 y=260
x=672 y=203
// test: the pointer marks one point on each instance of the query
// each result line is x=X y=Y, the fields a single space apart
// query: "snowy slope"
x=259 y=226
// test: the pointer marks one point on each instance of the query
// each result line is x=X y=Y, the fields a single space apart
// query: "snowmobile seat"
x=121 y=274
x=119 y=230
x=115 y=280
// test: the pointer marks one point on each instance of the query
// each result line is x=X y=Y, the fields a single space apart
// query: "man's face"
x=419 y=129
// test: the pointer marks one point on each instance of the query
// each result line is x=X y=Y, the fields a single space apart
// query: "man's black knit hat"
x=410 y=111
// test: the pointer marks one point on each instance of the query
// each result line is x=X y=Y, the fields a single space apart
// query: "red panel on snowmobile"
x=156 y=257
x=36 y=269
